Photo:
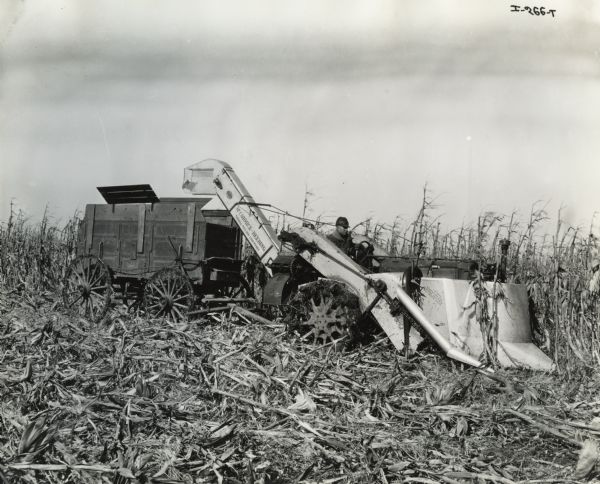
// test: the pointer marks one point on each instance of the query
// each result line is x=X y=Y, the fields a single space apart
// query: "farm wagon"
x=165 y=255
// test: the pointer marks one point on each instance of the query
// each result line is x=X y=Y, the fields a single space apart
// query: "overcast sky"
x=362 y=101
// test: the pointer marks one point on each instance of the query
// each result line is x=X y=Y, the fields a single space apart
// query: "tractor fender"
x=278 y=289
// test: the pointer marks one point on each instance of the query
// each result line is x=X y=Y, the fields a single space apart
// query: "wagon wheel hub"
x=168 y=302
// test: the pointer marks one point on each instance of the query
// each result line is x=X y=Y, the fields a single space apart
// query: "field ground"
x=226 y=399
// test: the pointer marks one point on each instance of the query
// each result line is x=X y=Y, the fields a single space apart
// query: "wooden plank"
x=201 y=234
x=141 y=228
x=90 y=211
x=191 y=218
x=116 y=213
x=119 y=240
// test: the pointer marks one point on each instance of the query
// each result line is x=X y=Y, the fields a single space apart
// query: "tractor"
x=430 y=300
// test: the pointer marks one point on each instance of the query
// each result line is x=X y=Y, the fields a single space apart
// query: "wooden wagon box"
x=138 y=239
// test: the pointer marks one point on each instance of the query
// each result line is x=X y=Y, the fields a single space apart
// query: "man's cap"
x=343 y=221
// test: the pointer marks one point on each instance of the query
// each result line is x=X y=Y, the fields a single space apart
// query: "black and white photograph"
x=273 y=241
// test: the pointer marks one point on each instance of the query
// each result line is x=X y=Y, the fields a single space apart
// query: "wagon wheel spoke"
x=153 y=300
x=178 y=291
x=75 y=300
x=96 y=297
x=98 y=280
x=157 y=289
x=172 y=293
x=176 y=311
x=238 y=289
x=180 y=297
x=91 y=307
x=95 y=288
x=94 y=276
x=78 y=274
x=86 y=269
x=165 y=290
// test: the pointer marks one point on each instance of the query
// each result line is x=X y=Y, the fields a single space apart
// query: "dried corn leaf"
x=588 y=458
x=303 y=403
x=125 y=472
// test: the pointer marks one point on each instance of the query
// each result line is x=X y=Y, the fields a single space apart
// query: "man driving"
x=341 y=235
x=342 y=238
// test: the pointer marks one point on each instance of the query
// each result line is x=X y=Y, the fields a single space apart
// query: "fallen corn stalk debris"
x=545 y=428
x=60 y=467
x=241 y=400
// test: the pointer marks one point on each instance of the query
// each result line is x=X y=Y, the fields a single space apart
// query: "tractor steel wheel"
x=327 y=322
x=324 y=310
x=87 y=287
x=169 y=294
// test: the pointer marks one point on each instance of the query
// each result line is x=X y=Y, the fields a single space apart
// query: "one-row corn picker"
x=175 y=254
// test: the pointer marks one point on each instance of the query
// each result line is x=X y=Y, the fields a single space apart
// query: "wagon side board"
x=137 y=239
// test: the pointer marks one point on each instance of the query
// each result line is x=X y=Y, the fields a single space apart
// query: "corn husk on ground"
x=228 y=399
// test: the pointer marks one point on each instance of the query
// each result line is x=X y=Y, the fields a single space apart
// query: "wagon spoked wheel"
x=169 y=294
x=87 y=287
x=241 y=290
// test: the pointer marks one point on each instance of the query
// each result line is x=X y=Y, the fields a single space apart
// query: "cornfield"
x=33 y=257
x=226 y=399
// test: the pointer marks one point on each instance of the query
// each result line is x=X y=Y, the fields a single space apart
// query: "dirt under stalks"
x=224 y=399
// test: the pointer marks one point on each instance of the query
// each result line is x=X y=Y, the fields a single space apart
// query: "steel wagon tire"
x=87 y=287
x=169 y=294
